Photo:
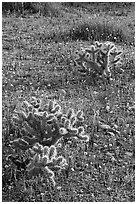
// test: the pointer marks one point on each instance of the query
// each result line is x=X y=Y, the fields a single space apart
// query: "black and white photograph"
x=68 y=101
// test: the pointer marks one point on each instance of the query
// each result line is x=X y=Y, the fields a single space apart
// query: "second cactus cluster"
x=98 y=59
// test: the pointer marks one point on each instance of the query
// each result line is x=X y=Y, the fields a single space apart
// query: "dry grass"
x=38 y=58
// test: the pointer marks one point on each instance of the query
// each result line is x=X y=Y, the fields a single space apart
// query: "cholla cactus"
x=44 y=162
x=43 y=121
x=98 y=59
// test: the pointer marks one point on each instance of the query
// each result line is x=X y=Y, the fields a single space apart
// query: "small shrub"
x=99 y=30
x=51 y=9
x=16 y=6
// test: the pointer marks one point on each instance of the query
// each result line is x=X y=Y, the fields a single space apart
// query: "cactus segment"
x=67 y=124
x=30 y=166
x=70 y=113
x=63 y=119
x=51 y=105
x=22 y=115
x=22 y=142
x=73 y=120
x=52 y=153
x=59 y=115
x=36 y=158
x=73 y=131
x=17 y=120
x=45 y=160
x=81 y=130
x=79 y=114
x=50 y=117
x=31 y=140
x=37 y=148
x=50 y=175
x=28 y=129
x=84 y=137
x=117 y=60
x=59 y=161
x=63 y=131
x=56 y=109
x=46 y=150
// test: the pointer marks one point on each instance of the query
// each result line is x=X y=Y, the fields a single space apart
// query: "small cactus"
x=44 y=162
x=98 y=59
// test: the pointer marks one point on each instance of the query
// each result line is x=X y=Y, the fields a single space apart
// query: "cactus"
x=98 y=59
x=43 y=122
x=44 y=162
